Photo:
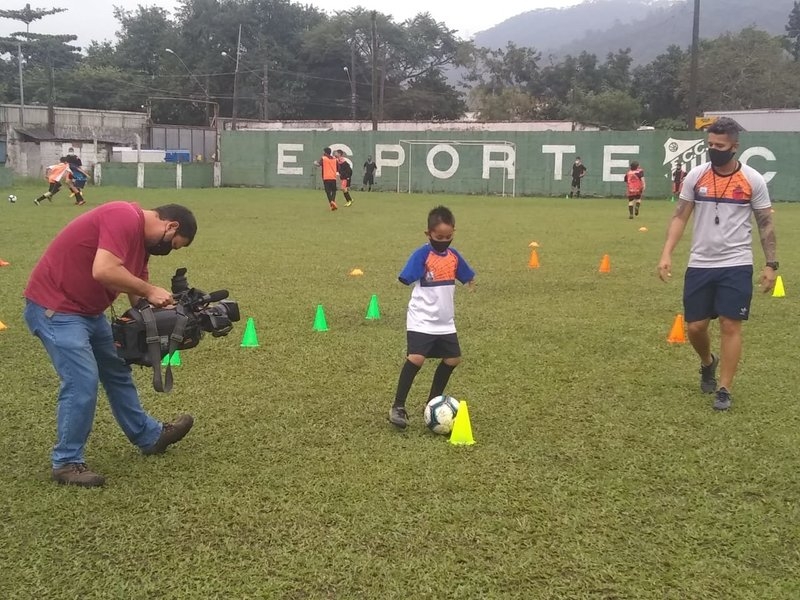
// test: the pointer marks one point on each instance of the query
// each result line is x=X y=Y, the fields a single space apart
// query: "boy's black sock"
x=347 y=196
x=440 y=379
x=407 y=374
x=630 y=209
x=42 y=197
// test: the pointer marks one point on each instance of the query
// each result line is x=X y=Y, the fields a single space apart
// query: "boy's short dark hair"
x=187 y=224
x=725 y=126
x=440 y=214
x=634 y=164
x=326 y=151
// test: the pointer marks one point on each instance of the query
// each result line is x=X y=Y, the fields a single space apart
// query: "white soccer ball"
x=440 y=414
x=12 y=198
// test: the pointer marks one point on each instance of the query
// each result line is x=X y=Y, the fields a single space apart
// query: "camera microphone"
x=215 y=296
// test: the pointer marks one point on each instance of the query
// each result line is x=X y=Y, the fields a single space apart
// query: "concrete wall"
x=527 y=163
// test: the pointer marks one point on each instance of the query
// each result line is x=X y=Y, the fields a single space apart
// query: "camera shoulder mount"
x=153 y=341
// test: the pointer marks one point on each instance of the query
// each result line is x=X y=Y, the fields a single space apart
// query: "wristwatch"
x=773 y=265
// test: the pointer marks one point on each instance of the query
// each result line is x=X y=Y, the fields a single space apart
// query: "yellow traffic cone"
x=778 y=291
x=462 y=428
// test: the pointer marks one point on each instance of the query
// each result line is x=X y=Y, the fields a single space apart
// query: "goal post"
x=486 y=167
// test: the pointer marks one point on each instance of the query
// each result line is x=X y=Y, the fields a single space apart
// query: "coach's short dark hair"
x=187 y=224
x=725 y=126
x=440 y=214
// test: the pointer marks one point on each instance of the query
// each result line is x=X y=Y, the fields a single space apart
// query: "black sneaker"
x=708 y=376
x=398 y=417
x=723 y=399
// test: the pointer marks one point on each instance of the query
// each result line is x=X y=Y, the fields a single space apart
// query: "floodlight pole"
x=21 y=87
x=234 y=110
x=692 y=100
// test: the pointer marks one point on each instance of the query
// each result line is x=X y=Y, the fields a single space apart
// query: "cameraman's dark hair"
x=725 y=126
x=187 y=224
x=440 y=214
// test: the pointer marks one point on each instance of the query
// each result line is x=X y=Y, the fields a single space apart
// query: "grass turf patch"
x=600 y=470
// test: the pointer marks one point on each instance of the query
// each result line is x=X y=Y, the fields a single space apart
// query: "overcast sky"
x=94 y=19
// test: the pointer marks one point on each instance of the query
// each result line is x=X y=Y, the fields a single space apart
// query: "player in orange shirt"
x=56 y=176
x=634 y=180
x=330 y=168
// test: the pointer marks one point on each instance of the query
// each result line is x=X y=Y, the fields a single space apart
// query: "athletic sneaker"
x=80 y=203
x=36 y=202
x=398 y=417
x=723 y=399
x=708 y=376
x=333 y=206
x=348 y=203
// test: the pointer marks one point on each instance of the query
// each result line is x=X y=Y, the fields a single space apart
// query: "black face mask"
x=720 y=158
x=162 y=248
x=440 y=246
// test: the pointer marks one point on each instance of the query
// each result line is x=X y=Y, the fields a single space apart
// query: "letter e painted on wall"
x=285 y=159
x=609 y=162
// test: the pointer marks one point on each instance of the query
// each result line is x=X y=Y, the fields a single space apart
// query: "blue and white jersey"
x=434 y=274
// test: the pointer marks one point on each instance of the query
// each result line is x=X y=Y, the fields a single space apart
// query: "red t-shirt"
x=62 y=279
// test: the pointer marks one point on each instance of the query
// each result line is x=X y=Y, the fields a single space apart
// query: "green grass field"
x=600 y=470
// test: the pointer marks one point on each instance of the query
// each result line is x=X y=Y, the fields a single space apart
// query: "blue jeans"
x=82 y=351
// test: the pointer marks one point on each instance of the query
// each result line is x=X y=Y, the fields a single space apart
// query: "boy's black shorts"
x=433 y=346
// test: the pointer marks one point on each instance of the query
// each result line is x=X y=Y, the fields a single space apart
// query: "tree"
x=761 y=76
x=793 y=31
x=613 y=108
x=38 y=46
x=658 y=85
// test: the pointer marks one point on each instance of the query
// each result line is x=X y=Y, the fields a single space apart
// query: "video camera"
x=144 y=335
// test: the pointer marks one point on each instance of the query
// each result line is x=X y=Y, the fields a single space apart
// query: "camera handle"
x=154 y=344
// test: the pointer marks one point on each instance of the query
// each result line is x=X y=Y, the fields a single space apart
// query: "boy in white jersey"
x=723 y=194
x=430 y=323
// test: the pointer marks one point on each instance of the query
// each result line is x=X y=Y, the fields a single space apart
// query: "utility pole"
x=351 y=74
x=234 y=111
x=692 y=100
x=265 y=88
x=21 y=87
x=374 y=49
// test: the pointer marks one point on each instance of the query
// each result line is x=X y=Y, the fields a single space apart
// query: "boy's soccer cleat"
x=36 y=202
x=348 y=203
x=333 y=206
x=708 y=376
x=723 y=399
x=398 y=417
x=80 y=203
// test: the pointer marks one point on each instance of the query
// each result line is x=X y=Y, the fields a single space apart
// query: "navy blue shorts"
x=723 y=291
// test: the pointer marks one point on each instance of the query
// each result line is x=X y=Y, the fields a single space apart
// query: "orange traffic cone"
x=605 y=264
x=676 y=334
x=533 y=263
